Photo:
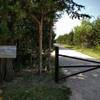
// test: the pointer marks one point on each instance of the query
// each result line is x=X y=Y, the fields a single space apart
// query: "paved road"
x=84 y=86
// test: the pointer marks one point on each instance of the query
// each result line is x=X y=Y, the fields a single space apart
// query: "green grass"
x=93 y=52
x=28 y=86
x=37 y=92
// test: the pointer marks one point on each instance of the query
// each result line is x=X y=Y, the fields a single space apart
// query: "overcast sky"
x=66 y=24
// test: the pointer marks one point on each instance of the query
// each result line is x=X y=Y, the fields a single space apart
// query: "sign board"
x=7 y=51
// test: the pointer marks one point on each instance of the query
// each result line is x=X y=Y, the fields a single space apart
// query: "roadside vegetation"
x=30 y=86
x=93 y=52
x=37 y=93
x=84 y=38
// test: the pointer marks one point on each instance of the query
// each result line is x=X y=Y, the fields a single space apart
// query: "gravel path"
x=84 y=86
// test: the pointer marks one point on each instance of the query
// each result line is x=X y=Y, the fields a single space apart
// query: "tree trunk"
x=49 y=51
x=6 y=69
x=9 y=70
x=2 y=69
x=40 y=44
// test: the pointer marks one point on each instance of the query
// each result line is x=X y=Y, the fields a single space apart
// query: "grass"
x=28 y=86
x=93 y=52
x=37 y=92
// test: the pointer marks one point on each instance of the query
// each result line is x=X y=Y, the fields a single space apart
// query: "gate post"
x=56 y=64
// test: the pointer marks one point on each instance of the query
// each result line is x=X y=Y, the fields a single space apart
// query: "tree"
x=40 y=11
x=71 y=38
x=6 y=30
x=9 y=14
x=62 y=39
x=96 y=26
x=67 y=38
x=85 y=35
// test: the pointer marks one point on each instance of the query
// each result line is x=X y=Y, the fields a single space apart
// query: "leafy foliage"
x=97 y=29
x=28 y=25
x=86 y=35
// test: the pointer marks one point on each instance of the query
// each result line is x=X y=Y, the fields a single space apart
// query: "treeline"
x=86 y=35
x=28 y=24
x=18 y=27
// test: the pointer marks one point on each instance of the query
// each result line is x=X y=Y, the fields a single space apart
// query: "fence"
x=57 y=66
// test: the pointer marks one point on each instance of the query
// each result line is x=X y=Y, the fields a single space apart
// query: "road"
x=84 y=86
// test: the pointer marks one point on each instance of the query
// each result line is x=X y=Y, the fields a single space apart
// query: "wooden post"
x=1 y=94
x=56 y=64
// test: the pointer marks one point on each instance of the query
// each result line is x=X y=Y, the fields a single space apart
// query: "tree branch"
x=34 y=17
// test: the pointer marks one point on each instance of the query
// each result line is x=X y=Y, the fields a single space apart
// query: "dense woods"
x=28 y=24
x=86 y=35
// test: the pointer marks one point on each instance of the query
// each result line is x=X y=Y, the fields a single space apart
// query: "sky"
x=66 y=24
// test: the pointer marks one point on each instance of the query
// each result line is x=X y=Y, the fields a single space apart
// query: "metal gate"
x=57 y=66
